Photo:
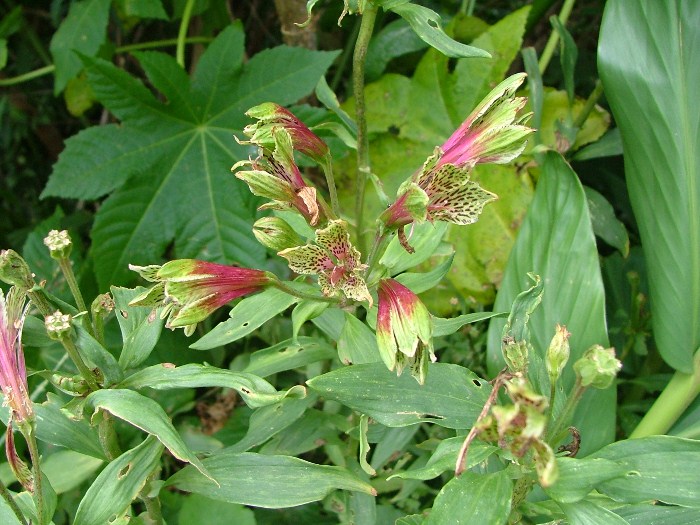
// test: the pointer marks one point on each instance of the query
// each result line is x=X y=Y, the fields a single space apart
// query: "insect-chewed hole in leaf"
x=433 y=23
x=394 y=130
x=152 y=316
x=245 y=324
x=124 y=314
x=476 y=382
x=113 y=518
x=123 y=472
x=245 y=390
x=431 y=416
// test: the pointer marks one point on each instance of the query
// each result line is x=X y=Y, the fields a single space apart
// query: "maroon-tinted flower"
x=404 y=330
x=272 y=116
x=190 y=290
x=13 y=372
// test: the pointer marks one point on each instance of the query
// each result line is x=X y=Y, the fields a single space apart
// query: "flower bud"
x=15 y=271
x=103 y=304
x=597 y=367
x=558 y=353
x=58 y=325
x=515 y=354
x=276 y=234
x=59 y=244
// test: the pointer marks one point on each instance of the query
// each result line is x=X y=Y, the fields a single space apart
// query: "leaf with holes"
x=118 y=484
x=166 y=166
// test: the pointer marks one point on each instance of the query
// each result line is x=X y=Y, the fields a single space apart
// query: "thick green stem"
x=591 y=101
x=303 y=295
x=358 y=86
x=38 y=298
x=562 y=421
x=79 y=363
x=551 y=45
x=182 y=34
x=28 y=432
x=381 y=239
x=327 y=167
x=67 y=270
x=11 y=503
x=681 y=390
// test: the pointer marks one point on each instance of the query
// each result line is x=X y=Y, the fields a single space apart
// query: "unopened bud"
x=103 y=304
x=597 y=367
x=515 y=354
x=58 y=325
x=15 y=271
x=276 y=234
x=59 y=244
x=558 y=353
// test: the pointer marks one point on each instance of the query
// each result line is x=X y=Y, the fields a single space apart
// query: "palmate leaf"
x=650 y=74
x=167 y=164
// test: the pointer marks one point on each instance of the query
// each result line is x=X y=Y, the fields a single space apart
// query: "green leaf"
x=248 y=315
x=578 y=477
x=267 y=481
x=304 y=311
x=425 y=239
x=645 y=514
x=357 y=343
x=118 y=484
x=556 y=242
x=649 y=73
x=97 y=354
x=445 y=459
x=568 y=55
x=289 y=355
x=427 y=25
x=176 y=154
x=140 y=327
x=442 y=326
x=662 y=468
x=53 y=426
x=473 y=499
x=451 y=397
x=269 y=420
x=82 y=31
x=256 y=392
x=422 y=282
x=609 y=145
x=7 y=516
x=200 y=509
x=535 y=89
x=146 y=414
x=66 y=469
x=144 y=8
x=393 y=40
x=605 y=224
x=588 y=513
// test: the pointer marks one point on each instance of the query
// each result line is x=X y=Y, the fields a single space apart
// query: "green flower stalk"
x=334 y=260
x=59 y=328
x=191 y=290
x=404 y=330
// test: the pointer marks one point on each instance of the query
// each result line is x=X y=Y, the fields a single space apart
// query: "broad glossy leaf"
x=452 y=396
x=650 y=75
x=140 y=327
x=473 y=499
x=662 y=468
x=82 y=31
x=556 y=242
x=256 y=392
x=266 y=481
x=171 y=159
x=7 y=516
x=442 y=326
x=357 y=343
x=146 y=414
x=118 y=484
x=609 y=145
x=424 y=238
x=97 y=355
x=248 y=315
x=658 y=515
x=66 y=469
x=589 y=513
x=200 y=509
x=422 y=282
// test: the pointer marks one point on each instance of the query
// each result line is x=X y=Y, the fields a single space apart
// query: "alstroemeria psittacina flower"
x=275 y=176
x=442 y=190
x=404 y=330
x=272 y=116
x=334 y=260
x=13 y=372
x=191 y=290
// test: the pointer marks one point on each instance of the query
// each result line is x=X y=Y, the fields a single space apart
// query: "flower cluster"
x=442 y=189
x=13 y=372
